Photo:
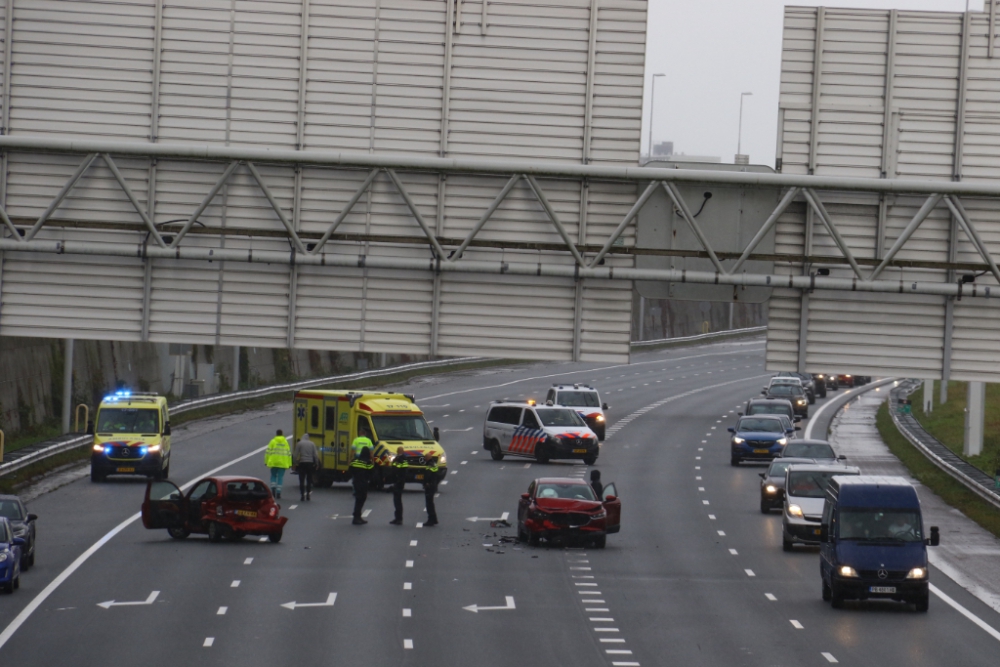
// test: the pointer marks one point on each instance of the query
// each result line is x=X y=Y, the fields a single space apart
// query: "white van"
x=521 y=428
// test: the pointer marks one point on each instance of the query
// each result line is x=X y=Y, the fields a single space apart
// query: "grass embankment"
x=946 y=422
x=935 y=479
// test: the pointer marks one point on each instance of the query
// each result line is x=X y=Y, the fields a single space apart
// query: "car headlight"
x=600 y=515
x=801 y=401
x=98 y=448
x=442 y=460
x=794 y=510
x=917 y=573
x=737 y=440
x=782 y=441
x=771 y=488
x=847 y=571
x=600 y=418
x=153 y=448
x=3 y=556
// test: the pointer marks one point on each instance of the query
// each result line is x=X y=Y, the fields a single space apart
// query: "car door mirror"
x=796 y=419
x=763 y=475
x=437 y=434
x=824 y=533
x=935 y=537
x=32 y=517
x=841 y=458
x=731 y=429
x=18 y=542
x=605 y=406
x=739 y=414
x=166 y=428
x=764 y=390
x=609 y=499
x=798 y=428
x=525 y=496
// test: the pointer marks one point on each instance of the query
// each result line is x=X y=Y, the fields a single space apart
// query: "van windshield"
x=401 y=427
x=579 y=399
x=880 y=525
x=557 y=417
x=810 y=484
x=128 y=420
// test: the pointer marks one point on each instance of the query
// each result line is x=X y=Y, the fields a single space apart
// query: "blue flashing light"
x=107 y=450
x=143 y=450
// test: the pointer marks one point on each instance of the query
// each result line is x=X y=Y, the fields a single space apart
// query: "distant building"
x=663 y=149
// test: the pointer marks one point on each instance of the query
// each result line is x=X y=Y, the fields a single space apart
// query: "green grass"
x=32 y=436
x=935 y=479
x=947 y=422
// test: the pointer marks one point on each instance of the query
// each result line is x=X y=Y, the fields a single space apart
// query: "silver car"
x=805 y=493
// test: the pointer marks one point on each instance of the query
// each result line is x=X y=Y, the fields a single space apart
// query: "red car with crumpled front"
x=559 y=508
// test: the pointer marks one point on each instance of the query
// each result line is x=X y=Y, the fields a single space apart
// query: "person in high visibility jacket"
x=360 y=443
x=278 y=458
x=399 y=467
x=431 y=480
x=361 y=473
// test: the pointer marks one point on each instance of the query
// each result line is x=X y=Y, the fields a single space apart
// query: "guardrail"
x=729 y=333
x=936 y=452
x=71 y=442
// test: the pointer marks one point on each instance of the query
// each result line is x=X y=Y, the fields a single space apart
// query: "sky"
x=713 y=50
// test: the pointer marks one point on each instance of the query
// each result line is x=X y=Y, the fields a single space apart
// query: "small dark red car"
x=568 y=509
x=230 y=507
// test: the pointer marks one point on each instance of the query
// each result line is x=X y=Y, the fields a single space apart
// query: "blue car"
x=759 y=438
x=10 y=557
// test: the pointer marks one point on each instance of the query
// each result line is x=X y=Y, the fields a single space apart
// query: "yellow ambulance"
x=333 y=418
x=131 y=436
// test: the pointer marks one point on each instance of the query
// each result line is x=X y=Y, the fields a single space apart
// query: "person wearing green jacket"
x=278 y=458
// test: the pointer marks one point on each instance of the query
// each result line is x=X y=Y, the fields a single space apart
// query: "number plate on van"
x=881 y=589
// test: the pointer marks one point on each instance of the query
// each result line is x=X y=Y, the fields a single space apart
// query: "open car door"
x=164 y=506
x=613 y=506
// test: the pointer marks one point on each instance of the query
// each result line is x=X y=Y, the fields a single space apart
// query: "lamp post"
x=652 y=105
x=739 y=137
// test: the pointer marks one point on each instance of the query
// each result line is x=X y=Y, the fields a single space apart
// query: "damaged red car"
x=566 y=509
x=221 y=507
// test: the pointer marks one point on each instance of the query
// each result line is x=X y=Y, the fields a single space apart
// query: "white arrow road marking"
x=111 y=603
x=475 y=609
x=502 y=517
x=330 y=599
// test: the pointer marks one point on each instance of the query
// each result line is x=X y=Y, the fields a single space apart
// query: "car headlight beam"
x=917 y=573
x=847 y=571
x=771 y=488
x=737 y=440
x=795 y=510
x=782 y=441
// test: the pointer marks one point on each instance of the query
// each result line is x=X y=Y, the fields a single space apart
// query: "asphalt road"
x=696 y=577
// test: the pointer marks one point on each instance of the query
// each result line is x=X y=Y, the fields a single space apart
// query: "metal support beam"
x=963 y=87
x=824 y=217
x=236 y=368
x=147 y=293
x=293 y=284
x=949 y=329
x=438 y=250
x=771 y=221
x=554 y=219
x=912 y=227
x=358 y=194
x=135 y=202
x=8 y=42
x=803 y=331
x=634 y=211
x=277 y=209
x=54 y=204
x=588 y=113
x=929 y=395
x=204 y=203
x=67 y=397
x=485 y=217
x=816 y=87
x=962 y=216
x=682 y=206
x=449 y=44
x=975 y=413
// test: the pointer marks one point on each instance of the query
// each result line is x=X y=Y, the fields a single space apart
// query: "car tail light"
x=271 y=512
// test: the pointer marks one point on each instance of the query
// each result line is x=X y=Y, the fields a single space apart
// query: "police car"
x=543 y=432
x=585 y=400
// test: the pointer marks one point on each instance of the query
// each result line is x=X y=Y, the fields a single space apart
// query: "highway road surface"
x=696 y=576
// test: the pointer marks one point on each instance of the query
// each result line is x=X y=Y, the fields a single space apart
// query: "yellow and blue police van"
x=334 y=418
x=131 y=436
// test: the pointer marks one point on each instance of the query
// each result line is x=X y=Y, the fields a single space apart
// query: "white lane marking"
x=407 y=643
x=247 y=561
x=413 y=543
x=527 y=465
x=599 y=619
x=796 y=624
x=582 y=576
x=697 y=467
x=590 y=592
x=618 y=651
x=137 y=603
x=407 y=613
x=704 y=502
x=584 y=569
x=293 y=507
x=364 y=515
x=331 y=599
x=454 y=472
x=409 y=563
x=697 y=458
x=750 y=573
x=770 y=597
x=609 y=640
x=443 y=482
x=829 y=657
x=722 y=533
x=420 y=524
x=701 y=488
x=407 y=586
x=990 y=630
x=606 y=630
x=625 y=664
x=264 y=539
x=208 y=642
x=593 y=609
x=463 y=463
x=733 y=552
x=584 y=584
x=697 y=478
x=593 y=601
x=712 y=517
x=475 y=452
x=807 y=434
x=235 y=584
x=19 y=620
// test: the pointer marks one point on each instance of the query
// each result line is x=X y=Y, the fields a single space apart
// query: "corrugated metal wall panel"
x=605 y=335
x=975 y=355
x=184 y=300
x=783 y=329
x=619 y=64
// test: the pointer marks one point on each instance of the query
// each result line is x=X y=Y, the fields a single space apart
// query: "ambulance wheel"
x=166 y=471
x=495 y=451
x=95 y=476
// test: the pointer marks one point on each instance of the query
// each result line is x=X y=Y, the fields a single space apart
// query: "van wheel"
x=495 y=450
x=786 y=544
x=765 y=506
x=733 y=461
x=836 y=600
x=166 y=471
x=826 y=593
x=95 y=476
x=541 y=455
x=590 y=460
x=923 y=603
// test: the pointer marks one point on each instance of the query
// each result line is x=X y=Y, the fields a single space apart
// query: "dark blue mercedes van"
x=872 y=542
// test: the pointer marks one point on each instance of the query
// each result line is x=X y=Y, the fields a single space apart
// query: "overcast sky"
x=713 y=50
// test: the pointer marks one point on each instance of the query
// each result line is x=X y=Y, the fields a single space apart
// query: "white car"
x=585 y=400
x=805 y=493
x=522 y=428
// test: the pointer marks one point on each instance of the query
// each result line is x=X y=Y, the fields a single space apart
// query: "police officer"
x=431 y=479
x=361 y=473
x=278 y=458
x=399 y=467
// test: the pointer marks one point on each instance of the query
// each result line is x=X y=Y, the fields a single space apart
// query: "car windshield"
x=894 y=525
x=770 y=409
x=571 y=490
x=402 y=427
x=785 y=390
x=778 y=468
x=11 y=510
x=579 y=399
x=760 y=425
x=809 y=451
x=557 y=417
x=786 y=380
x=810 y=484
x=128 y=420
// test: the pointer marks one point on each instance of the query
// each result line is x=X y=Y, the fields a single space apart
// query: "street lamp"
x=652 y=105
x=739 y=139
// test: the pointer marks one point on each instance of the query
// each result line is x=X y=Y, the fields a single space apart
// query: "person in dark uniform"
x=596 y=484
x=399 y=467
x=431 y=479
x=361 y=474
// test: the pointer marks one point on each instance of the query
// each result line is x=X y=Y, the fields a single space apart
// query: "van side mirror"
x=764 y=390
x=166 y=428
x=437 y=434
x=935 y=537
x=90 y=427
x=739 y=414
x=731 y=429
x=32 y=517
x=605 y=406
x=841 y=458
x=824 y=533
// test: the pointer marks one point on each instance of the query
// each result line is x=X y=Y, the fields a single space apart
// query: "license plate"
x=816 y=531
x=246 y=513
x=762 y=451
x=418 y=477
x=579 y=451
x=882 y=589
x=126 y=470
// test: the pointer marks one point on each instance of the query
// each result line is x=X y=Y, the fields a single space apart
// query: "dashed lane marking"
x=407 y=586
x=750 y=573
x=222 y=611
x=595 y=609
x=454 y=472
x=618 y=651
x=247 y=561
x=796 y=624
x=829 y=657
x=585 y=569
x=409 y=563
x=611 y=640
x=584 y=584
x=599 y=619
x=475 y=452
x=235 y=584
x=625 y=664
x=413 y=543
x=770 y=597
x=420 y=524
x=722 y=533
x=208 y=642
x=712 y=517
x=293 y=507
x=364 y=515
x=733 y=552
x=263 y=539
x=606 y=630
x=407 y=643
x=704 y=502
x=463 y=463
x=407 y=613
x=527 y=465
x=701 y=489
x=590 y=592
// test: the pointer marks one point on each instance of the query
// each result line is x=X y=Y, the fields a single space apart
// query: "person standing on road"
x=399 y=467
x=360 y=443
x=431 y=480
x=361 y=473
x=306 y=463
x=595 y=483
x=278 y=458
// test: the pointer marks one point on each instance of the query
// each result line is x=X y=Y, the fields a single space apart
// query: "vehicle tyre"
x=237 y=535
x=826 y=592
x=601 y=542
x=178 y=533
x=275 y=537
x=822 y=394
x=836 y=600
x=541 y=455
x=31 y=560
x=786 y=544
x=166 y=471
x=17 y=584
x=522 y=534
x=923 y=603
x=495 y=452
x=734 y=461
x=8 y=588
x=590 y=460
x=765 y=507
x=812 y=399
x=534 y=539
x=214 y=531
x=95 y=476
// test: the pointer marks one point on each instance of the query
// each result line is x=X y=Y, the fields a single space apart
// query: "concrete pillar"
x=67 y=407
x=731 y=304
x=928 y=396
x=974 y=419
x=236 y=368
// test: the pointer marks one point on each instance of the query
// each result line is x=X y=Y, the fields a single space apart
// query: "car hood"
x=566 y=505
x=760 y=435
x=869 y=556
x=811 y=507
